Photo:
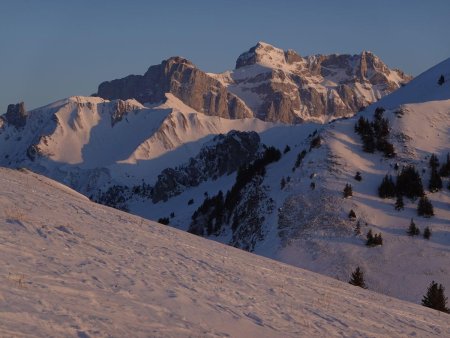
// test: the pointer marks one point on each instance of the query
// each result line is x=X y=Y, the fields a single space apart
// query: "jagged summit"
x=267 y=55
x=176 y=60
x=268 y=83
x=181 y=78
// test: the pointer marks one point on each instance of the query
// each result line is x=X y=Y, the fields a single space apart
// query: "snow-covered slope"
x=403 y=266
x=87 y=142
x=308 y=224
x=73 y=268
x=293 y=213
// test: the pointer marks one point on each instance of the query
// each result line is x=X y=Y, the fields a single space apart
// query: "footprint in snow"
x=171 y=294
x=256 y=319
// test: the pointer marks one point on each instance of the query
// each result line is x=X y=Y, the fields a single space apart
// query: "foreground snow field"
x=73 y=268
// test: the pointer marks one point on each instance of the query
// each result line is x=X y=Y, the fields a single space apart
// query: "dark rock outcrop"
x=16 y=115
x=223 y=155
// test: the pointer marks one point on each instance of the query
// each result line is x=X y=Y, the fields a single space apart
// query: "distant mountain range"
x=268 y=83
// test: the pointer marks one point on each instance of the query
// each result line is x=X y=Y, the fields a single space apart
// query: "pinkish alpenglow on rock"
x=268 y=83
x=180 y=77
x=283 y=86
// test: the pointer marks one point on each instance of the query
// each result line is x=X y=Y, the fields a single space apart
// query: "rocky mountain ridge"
x=268 y=83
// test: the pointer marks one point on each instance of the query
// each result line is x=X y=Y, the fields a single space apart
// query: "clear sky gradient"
x=55 y=49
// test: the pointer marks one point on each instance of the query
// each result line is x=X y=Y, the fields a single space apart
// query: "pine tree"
x=368 y=140
x=425 y=208
x=441 y=80
x=388 y=149
x=435 y=298
x=445 y=169
x=434 y=162
x=427 y=233
x=369 y=236
x=357 y=278
x=387 y=187
x=409 y=183
x=399 y=205
x=352 y=214
x=435 y=181
x=348 y=191
x=413 y=230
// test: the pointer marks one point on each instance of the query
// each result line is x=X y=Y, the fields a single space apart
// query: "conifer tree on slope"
x=435 y=181
x=357 y=278
x=413 y=230
x=399 y=204
x=425 y=208
x=435 y=298
x=348 y=191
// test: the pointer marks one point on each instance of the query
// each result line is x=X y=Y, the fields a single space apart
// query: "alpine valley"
x=258 y=158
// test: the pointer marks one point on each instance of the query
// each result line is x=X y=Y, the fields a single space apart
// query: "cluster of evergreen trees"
x=216 y=210
x=164 y=220
x=299 y=159
x=212 y=212
x=115 y=197
x=144 y=190
x=375 y=134
x=409 y=184
x=374 y=240
x=413 y=230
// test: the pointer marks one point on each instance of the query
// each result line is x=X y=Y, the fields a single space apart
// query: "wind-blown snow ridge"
x=75 y=268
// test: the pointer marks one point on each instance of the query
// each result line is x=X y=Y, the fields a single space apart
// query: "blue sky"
x=51 y=49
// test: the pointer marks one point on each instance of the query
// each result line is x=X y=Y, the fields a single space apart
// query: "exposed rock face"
x=181 y=78
x=223 y=155
x=121 y=108
x=283 y=86
x=268 y=83
x=16 y=115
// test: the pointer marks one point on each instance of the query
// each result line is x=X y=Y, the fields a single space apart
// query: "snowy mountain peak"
x=267 y=55
x=268 y=83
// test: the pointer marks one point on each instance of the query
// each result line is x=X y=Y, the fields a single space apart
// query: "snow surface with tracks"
x=73 y=268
